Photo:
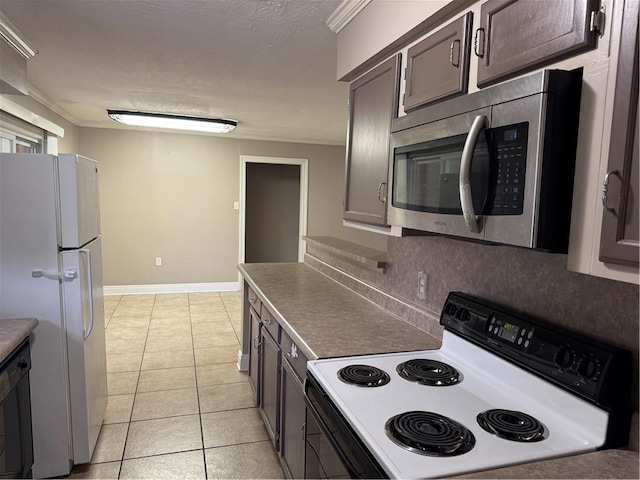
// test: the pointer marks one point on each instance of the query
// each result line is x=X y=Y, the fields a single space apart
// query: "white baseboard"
x=243 y=361
x=171 y=288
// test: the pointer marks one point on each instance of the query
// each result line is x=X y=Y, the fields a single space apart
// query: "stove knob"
x=450 y=309
x=462 y=315
x=588 y=367
x=564 y=357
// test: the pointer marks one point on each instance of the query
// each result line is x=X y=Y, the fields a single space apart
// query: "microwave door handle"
x=466 y=200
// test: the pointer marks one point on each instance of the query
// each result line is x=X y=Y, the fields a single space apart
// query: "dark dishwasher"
x=16 y=442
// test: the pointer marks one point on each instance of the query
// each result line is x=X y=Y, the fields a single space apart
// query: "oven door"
x=332 y=448
x=440 y=174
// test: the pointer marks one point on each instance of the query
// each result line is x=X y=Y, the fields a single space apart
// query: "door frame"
x=303 y=163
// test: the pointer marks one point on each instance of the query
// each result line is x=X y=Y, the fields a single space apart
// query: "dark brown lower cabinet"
x=269 y=384
x=292 y=423
x=254 y=351
x=620 y=238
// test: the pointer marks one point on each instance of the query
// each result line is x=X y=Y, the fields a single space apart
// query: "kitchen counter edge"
x=12 y=332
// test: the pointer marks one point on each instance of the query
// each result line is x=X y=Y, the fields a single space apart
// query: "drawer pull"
x=478 y=45
x=456 y=62
x=605 y=190
x=294 y=351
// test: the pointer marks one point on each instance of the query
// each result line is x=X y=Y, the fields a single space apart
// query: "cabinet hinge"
x=403 y=99
x=405 y=73
x=598 y=21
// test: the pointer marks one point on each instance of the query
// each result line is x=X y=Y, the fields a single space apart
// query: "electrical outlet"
x=158 y=261
x=422 y=285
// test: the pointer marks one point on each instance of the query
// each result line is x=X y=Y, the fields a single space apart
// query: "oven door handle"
x=466 y=199
x=325 y=430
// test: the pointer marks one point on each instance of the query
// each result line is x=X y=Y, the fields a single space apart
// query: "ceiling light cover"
x=177 y=122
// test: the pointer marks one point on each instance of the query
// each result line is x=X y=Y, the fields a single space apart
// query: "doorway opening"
x=273 y=209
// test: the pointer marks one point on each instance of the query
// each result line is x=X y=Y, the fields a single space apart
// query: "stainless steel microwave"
x=495 y=166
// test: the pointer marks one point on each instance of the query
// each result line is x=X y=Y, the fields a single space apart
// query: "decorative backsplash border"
x=354 y=278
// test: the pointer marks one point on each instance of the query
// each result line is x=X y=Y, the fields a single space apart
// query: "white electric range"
x=502 y=390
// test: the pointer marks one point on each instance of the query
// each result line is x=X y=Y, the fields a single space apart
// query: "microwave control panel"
x=509 y=145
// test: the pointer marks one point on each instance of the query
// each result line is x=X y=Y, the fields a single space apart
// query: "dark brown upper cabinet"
x=520 y=35
x=620 y=239
x=438 y=66
x=373 y=103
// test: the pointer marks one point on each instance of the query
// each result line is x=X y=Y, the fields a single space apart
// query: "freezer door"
x=84 y=315
x=79 y=200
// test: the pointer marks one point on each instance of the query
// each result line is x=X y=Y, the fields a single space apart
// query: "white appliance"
x=51 y=269
x=502 y=390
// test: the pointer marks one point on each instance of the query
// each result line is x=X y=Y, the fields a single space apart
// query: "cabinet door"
x=438 y=66
x=269 y=384
x=292 y=417
x=254 y=351
x=519 y=35
x=373 y=102
x=619 y=239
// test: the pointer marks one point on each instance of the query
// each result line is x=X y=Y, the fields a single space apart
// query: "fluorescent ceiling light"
x=178 y=122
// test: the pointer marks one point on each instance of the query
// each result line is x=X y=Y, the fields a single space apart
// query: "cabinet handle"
x=466 y=199
x=477 y=43
x=294 y=351
x=381 y=197
x=255 y=345
x=451 y=50
x=267 y=320
x=605 y=190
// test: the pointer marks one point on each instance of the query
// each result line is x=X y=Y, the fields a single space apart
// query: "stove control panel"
x=596 y=371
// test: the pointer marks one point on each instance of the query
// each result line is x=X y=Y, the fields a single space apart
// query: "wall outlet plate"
x=422 y=285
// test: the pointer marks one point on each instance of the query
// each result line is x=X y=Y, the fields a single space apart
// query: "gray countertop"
x=12 y=332
x=328 y=320
x=603 y=464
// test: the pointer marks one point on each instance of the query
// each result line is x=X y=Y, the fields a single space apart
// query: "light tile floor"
x=178 y=407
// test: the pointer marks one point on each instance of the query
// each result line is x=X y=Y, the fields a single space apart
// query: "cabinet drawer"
x=294 y=356
x=270 y=324
x=553 y=29
x=438 y=66
x=253 y=300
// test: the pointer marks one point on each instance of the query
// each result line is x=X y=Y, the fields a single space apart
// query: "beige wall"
x=171 y=196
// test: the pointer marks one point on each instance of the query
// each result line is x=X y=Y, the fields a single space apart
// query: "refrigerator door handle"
x=68 y=274
x=87 y=253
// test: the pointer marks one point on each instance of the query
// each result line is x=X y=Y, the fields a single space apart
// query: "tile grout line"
x=195 y=371
x=135 y=393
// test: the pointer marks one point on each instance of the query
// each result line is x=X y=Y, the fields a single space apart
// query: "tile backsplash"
x=535 y=283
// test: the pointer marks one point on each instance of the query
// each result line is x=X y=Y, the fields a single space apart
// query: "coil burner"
x=429 y=433
x=429 y=372
x=511 y=425
x=364 y=376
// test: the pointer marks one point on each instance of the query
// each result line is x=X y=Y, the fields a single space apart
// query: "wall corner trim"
x=16 y=39
x=345 y=12
x=171 y=288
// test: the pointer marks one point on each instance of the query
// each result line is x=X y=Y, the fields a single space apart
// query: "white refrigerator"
x=51 y=269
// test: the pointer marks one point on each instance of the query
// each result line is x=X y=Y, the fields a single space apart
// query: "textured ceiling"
x=270 y=64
